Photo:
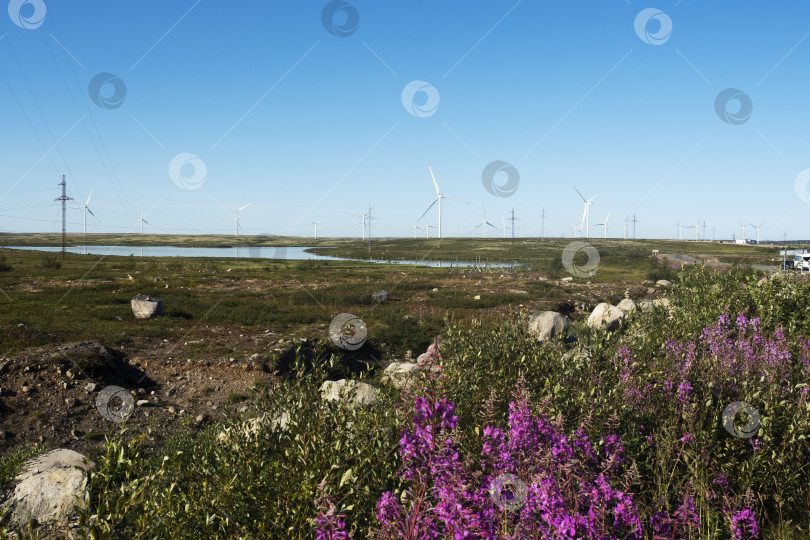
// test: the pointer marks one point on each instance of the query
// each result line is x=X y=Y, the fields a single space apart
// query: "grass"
x=195 y=479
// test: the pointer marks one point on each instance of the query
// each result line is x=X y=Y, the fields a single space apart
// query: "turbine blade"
x=428 y=209
x=248 y=204
x=434 y=180
x=88 y=198
x=583 y=217
x=592 y=198
x=91 y=212
x=452 y=199
x=580 y=194
x=607 y=218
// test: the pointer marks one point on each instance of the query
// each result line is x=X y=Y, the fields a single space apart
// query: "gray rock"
x=663 y=283
x=358 y=393
x=605 y=316
x=548 y=324
x=48 y=487
x=146 y=307
x=400 y=374
x=626 y=305
x=380 y=296
x=91 y=387
x=200 y=418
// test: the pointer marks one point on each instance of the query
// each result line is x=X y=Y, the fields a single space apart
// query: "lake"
x=255 y=252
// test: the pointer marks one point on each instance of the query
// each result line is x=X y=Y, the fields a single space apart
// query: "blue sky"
x=310 y=126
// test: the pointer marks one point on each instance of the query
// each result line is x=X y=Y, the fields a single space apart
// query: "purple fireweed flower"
x=744 y=525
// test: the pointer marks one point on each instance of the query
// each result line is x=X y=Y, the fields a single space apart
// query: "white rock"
x=605 y=316
x=146 y=307
x=477 y=297
x=399 y=374
x=358 y=393
x=663 y=283
x=49 y=485
x=626 y=305
x=548 y=324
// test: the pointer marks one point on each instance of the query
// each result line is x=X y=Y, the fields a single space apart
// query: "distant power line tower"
x=543 y=224
x=512 y=219
x=64 y=198
x=634 y=226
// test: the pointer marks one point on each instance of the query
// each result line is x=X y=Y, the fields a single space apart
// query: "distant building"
x=741 y=241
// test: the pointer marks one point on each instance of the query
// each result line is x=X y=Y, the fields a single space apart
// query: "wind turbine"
x=605 y=223
x=316 y=227
x=743 y=230
x=236 y=218
x=757 y=229
x=86 y=209
x=680 y=227
x=427 y=230
x=697 y=228
x=586 y=214
x=141 y=220
x=486 y=223
x=363 y=218
x=503 y=220
x=438 y=199
x=415 y=228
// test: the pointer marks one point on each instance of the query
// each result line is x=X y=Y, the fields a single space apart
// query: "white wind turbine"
x=757 y=229
x=743 y=230
x=586 y=214
x=697 y=228
x=363 y=219
x=86 y=209
x=315 y=223
x=438 y=199
x=427 y=230
x=141 y=220
x=484 y=224
x=680 y=228
x=236 y=218
x=605 y=223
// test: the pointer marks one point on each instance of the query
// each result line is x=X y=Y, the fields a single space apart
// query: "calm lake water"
x=288 y=253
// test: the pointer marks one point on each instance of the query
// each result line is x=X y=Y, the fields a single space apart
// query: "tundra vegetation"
x=600 y=434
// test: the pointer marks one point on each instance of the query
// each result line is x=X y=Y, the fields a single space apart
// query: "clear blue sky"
x=309 y=125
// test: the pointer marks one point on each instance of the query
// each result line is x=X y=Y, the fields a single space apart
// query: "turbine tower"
x=605 y=223
x=316 y=227
x=586 y=214
x=363 y=219
x=141 y=220
x=743 y=230
x=236 y=218
x=438 y=199
x=757 y=229
x=484 y=224
x=86 y=209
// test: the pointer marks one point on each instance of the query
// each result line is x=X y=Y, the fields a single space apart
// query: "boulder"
x=663 y=283
x=48 y=488
x=146 y=307
x=647 y=304
x=380 y=296
x=358 y=393
x=547 y=325
x=400 y=374
x=605 y=316
x=626 y=305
